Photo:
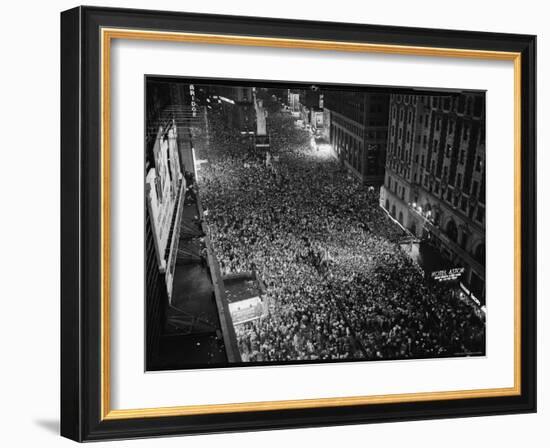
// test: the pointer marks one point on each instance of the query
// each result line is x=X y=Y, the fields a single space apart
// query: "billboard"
x=164 y=186
x=246 y=310
x=446 y=275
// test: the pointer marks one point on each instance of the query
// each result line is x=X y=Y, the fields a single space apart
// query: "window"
x=479 y=253
x=478 y=106
x=461 y=104
x=459 y=180
x=451 y=230
x=464 y=241
x=466 y=133
x=479 y=163
x=462 y=156
x=482 y=192
x=480 y=214
x=474 y=188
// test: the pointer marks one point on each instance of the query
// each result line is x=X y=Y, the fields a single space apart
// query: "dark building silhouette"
x=237 y=104
x=435 y=176
x=358 y=132
x=183 y=326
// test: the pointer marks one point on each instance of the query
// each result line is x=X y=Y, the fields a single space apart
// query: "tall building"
x=435 y=177
x=358 y=132
x=293 y=100
x=237 y=105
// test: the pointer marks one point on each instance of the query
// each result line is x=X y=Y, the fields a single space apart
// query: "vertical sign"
x=193 y=102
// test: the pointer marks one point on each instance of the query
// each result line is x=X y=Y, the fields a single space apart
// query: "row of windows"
x=453 y=197
x=346 y=146
x=458 y=200
x=355 y=129
x=424 y=139
x=478 y=165
x=464 y=105
x=410 y=113
x=396 y=187
x=407 y=99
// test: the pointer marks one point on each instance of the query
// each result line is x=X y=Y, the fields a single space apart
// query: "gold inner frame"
x=107 y=35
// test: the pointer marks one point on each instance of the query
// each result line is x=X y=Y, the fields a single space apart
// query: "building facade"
x=435 y=177
x=238 y=107
x=358 y=132
x=293 y=100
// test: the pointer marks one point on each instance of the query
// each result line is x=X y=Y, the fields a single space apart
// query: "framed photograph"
x=273 y=224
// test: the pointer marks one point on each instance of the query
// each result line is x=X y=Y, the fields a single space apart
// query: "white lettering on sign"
x=447 y=274
x=193 y=103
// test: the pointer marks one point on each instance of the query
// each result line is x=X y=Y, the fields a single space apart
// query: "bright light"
x=414 y=204
x=227 y=100
x=194 y=159
x=419 y=209
x=324 y=151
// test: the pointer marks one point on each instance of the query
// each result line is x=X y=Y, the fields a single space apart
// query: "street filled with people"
x=338 y=283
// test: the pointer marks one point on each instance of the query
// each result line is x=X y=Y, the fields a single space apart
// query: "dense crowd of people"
x=339 y=285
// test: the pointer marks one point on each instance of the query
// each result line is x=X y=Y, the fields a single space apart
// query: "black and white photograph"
x=293 y=223
x=274 y=222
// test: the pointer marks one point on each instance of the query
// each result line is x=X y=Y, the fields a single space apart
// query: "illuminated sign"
x=246 y=310
x=446 y=275
x=193 y=102
x=165 y=187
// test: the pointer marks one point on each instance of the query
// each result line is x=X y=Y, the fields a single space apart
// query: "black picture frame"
x=81 y=224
